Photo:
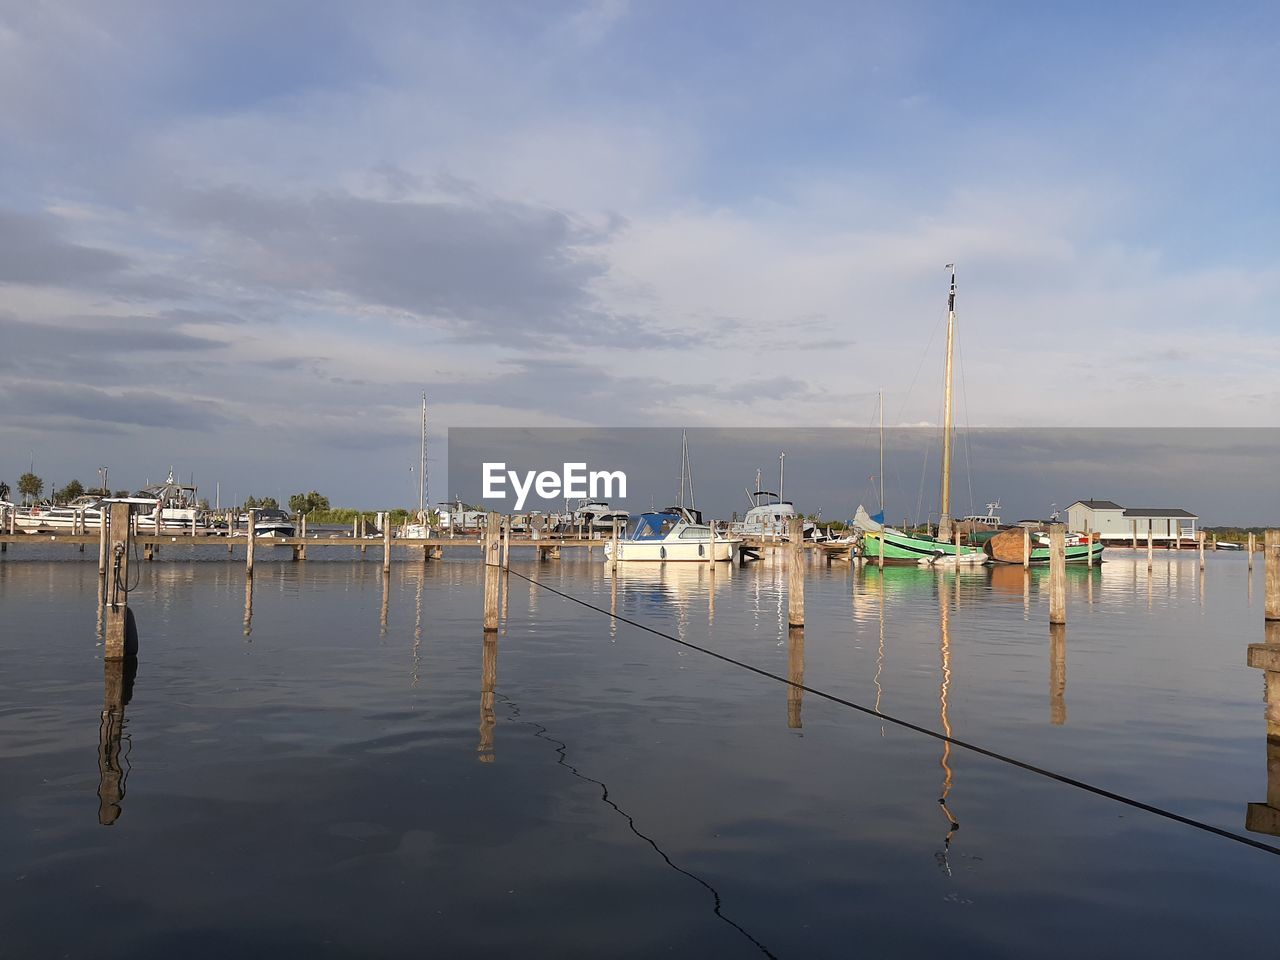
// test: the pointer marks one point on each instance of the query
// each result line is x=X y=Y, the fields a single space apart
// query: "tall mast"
x=944 y=520
x=422 y=466
x=782 y=473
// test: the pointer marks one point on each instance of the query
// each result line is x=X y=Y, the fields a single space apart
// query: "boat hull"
x=900 y=548
x=673 y=551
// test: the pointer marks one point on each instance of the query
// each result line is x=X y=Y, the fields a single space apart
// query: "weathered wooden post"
x=120 y=638
x=355 y=528
x=1026 y=548
x=302 y=549
x=103 y=540
x=1252 y=546
x=1134 y=525
x=1057 y=674
x=1151 y=556
x=1200 y=547
x=795 y=574
x=506 y=543
x=249 y=542
x=492 y=571
x=613 y=550
x=1057 y=574
x=711 y=546
x=386 y=547
x=1271 y=561
x=1088 y=537
x=957 y=547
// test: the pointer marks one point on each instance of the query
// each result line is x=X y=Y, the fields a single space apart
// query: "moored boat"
x=673 y=534
x=1008 y=546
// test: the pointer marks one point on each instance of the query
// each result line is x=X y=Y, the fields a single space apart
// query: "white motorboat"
x=272 y=523
x=674 y=534
x=84 y=512
x=166 y=507
x=596 y=516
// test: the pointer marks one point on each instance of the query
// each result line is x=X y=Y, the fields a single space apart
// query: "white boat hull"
x=670 y=551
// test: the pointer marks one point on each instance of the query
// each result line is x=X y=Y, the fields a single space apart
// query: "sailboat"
x=898 y=547
x=420 y=529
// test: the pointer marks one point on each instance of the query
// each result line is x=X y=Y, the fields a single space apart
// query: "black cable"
x=973 y=747
x=562 y=759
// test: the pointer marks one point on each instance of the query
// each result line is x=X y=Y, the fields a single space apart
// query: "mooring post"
x=957 y=547
x=1252 y=547
x=1265 y=817
x=102 y=540
x=613 y=550
x=492 y=571
x=1271 y=561
x=302 y=550
x=711 y=548
x=119 y=641
x=506 y=543
x=386 y=546
x=1151 y=556
x=1088 y=538
x=250 y=540
x=1200 y=547
x=795 y=574
x=1057 y=573
x=1134 y=525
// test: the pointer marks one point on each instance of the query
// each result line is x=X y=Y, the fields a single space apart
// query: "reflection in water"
x=113 y=764
x=880 y=653
x=417 y=631
x=488 y=681
x=1058 y=673
x=562 y=759
x=386 y=603
x=1265 y=817
x=795 y=673
x=945 y=760
x=248 y=606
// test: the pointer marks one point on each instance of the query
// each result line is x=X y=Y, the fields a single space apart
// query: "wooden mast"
x=422 y=466
x=944 y=520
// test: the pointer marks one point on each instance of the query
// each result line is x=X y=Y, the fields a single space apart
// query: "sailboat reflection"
x=943 y=855
x=113 y=764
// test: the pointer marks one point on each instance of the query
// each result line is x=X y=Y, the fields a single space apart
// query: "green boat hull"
x=1075 y=554
x=900 y=548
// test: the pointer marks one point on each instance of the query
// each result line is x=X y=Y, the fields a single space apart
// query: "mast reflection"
x=943 y=712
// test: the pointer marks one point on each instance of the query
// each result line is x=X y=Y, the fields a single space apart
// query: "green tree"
x=308 y=502
x=261 y=503
x=72 y=490
x=30 y=486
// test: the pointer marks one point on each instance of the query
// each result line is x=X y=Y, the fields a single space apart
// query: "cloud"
x=46 y=403
x=34 y=251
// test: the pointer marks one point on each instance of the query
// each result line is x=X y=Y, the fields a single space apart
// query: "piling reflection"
x=386 y=604
x=1265 y=817
x=248 y=606
x=417 y=632
x=1058 y=674
x=113 y=761
x=488 y=683
x=795 y=673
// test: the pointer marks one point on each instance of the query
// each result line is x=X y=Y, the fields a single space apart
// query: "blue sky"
x=242 y=238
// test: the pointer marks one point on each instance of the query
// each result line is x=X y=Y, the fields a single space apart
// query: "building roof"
x=1169 y=512
x=1099 y=504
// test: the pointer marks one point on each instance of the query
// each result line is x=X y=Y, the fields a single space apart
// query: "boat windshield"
x=653 y=526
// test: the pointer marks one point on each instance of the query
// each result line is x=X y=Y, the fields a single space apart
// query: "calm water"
x=333 y=777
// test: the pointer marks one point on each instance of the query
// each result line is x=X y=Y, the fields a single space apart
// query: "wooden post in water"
x=1151 y=557
x=1057 y=574
x=1134 y=523
x=386 y=546
x=711 y=547
x=1026 y=548
x=492 y=571
x=957 y=547
x=119 y=641
x=103 y=540
x=506 y=543
x=249 y=542
x=613 y=553
x=1088 y=537
x=1252 y=546
x=1200 y=546
x=795 y=574
x=302 y=551
x=1271 y=561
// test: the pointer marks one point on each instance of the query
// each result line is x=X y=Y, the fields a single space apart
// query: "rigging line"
x=964 y=394
x=562 y=759
x=920 y=366
x=898 y=721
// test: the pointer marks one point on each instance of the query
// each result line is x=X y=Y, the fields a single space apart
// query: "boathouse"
x=1113 y=522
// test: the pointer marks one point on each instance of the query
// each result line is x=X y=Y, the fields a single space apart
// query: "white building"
x=1113 y=522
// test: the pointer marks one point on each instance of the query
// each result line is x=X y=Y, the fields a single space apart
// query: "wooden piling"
x=386 y=547
x=103 y=541
x=1057 y=573
x=1134 y=524
x=1026 y=548
x=1252 y=546
x=795 y=574
x=492 y=572
x=1271 y=561
x=1151 y=557
x=117 y=642
x=1200 y=546
x=506 y=543
x=613 y=551
x=302 y=550
x=250 y=540
x=1088 y=536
